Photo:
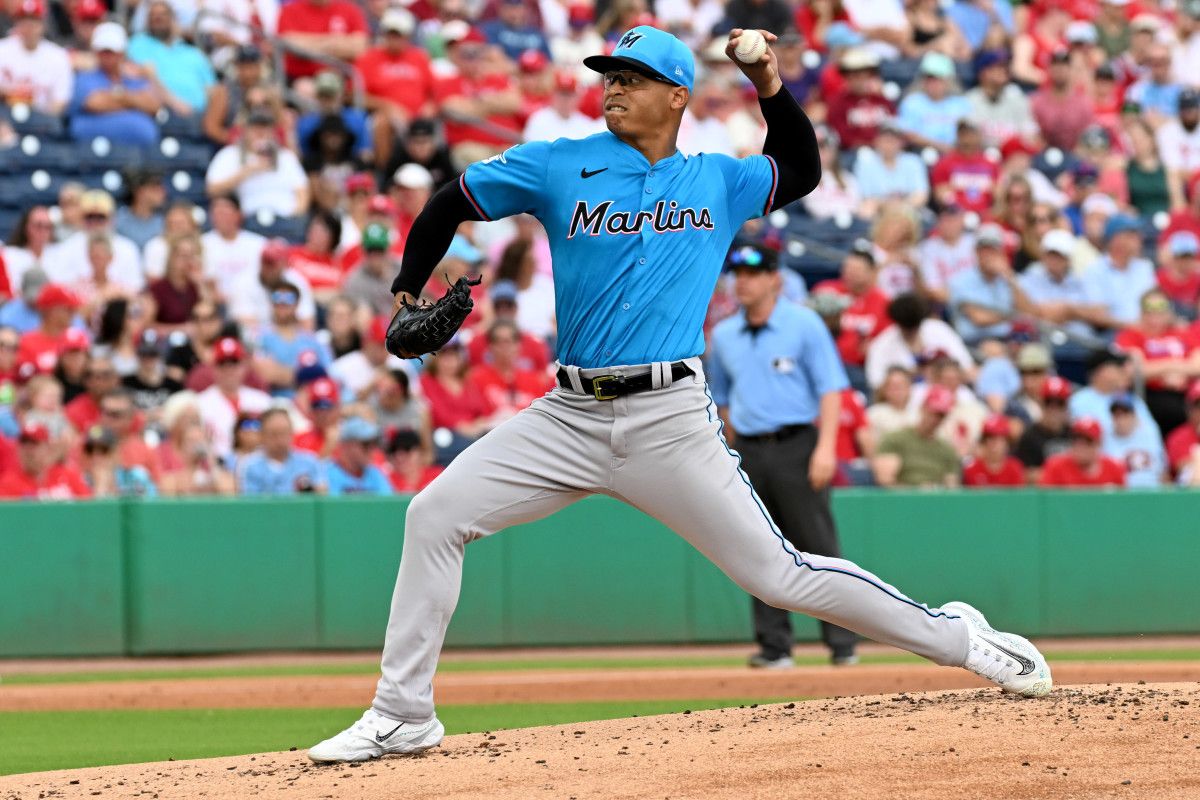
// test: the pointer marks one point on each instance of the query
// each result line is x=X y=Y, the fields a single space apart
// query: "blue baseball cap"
x=652 y=52
x=1121 y=223
x=357 y=429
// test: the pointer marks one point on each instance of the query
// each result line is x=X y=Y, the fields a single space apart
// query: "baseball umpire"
x=638 y=234
x=776 y=378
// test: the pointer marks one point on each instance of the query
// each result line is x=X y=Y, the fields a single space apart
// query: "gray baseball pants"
x=660 y=451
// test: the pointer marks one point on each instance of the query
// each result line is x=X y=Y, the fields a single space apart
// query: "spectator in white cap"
x=109 y=103
x=1056 y=296
x=1095 y=212
x=412 y=186
x=36 y=71
x=1179 y=145
x=1179 y=273
x=930 y=115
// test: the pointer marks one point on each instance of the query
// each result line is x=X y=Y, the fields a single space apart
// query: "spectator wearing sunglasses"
x=283 y=344
x=277 y=468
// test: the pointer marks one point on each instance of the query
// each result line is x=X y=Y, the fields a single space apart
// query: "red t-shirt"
x=337 y=17
x=1062 y=470
x=6 y=290
x=863 y=320
x=41 y=348
x=449 y=410
x=806 y=23
x=8 y=455
x=352 y=257
x=83 y=412
x=1183 y=291
x=852 y=419
x=1172 y=344
x=1180 y=443
x=973 y=179
x=60 y=482
x=524 y=387
x=462 y=86
x=405 y=486
x=533 y=355
x=321 y=271
x=312 y=440
x=404 y=79
x=977 y=473
x=856 y=118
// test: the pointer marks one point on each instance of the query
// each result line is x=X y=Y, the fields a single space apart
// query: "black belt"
x=610 y=387
x=778 y=435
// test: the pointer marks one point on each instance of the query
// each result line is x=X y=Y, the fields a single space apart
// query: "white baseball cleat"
x=1008 y=660
x=375 y=735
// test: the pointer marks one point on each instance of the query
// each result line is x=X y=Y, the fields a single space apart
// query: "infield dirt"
x=1114 y=741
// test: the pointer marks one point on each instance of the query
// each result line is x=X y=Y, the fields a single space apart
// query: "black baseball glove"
x=423 y=328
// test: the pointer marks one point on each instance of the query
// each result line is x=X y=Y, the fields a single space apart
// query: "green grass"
x=38 y=741
x=558 y=662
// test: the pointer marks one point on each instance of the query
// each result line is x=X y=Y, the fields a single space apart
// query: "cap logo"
x=629 y=39
x=678 y=71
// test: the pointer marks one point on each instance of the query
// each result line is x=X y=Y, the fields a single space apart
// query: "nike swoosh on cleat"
x=583 y=173
x=381 y=738
x=1027 y=665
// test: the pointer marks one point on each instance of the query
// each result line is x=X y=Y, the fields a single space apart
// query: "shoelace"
x=989 y=663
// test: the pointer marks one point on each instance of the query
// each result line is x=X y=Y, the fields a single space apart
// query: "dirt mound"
x=1121 y=741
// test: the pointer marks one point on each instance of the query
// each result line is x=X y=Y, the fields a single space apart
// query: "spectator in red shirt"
x=1166 y=355
x=1083 y=465
x=323 y=408
x=316 y=259
x=505 y=386
x=333 y=28
x=854 y=434
x=1179 y=273
x=1062 y=110
x=1184 y=441
x=965 y=176
x=36 y=475
x=408 y=468
x=56 y=306
x=476 y=90
x=866 y=315
x=99 y=379
x=455 y=402
x=380 y=211
x=856 y=113
x=992 y=465
x=397 y=76
x=532 y=353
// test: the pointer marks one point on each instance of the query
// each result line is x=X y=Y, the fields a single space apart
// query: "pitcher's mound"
x=1121 y=741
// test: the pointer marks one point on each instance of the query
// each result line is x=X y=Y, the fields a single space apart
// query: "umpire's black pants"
x=778 y=468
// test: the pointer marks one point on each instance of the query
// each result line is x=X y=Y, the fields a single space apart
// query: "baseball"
x=751 y=47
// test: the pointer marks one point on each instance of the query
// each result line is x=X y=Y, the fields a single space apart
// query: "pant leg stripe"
x=800 y=562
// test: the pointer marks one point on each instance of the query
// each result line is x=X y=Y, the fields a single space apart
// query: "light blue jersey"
x=637 y=247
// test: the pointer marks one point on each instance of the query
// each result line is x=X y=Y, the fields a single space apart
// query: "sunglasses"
x=631 y=80
x=283 y=298
x=116 y=413
x=207 y=318
x=250 y=425
x=746 y=257
x=1043 y=220
x=95 y=217
x=1156 y=305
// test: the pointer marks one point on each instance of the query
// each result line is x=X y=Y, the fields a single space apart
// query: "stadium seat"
x=34 y=123
x=900 y=71
x=111 y=181
x=100 y=154
x=1053 y=162
x=185 y=129
x=173 y=154
x=289 y=228
x=185 y=185
x=34 y=153
x=9 y=217
x=21 y=191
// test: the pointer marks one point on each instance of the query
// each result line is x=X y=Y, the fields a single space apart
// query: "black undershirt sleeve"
x=430 y=236
x=792 y=142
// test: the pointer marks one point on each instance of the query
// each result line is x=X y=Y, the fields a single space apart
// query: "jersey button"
x=626 y=306
x=651 y=173
x=641 y=261
x=648 y=190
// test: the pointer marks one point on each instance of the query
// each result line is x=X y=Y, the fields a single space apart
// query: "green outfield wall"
x=183 y=576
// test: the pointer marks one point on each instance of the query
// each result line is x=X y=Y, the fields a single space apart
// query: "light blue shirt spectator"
x=1141 y=453
x=933 y=119
x=1089 y=402
x=299 y=472
x=877 y=180
x=1162 y=98
x=994 y=294
x=1119 y=290
x=997 y=378
x=18 y=314
x=136 y=229
x=371 y=481
x=974 y=21
x=181 y=68
x=774 y=376
x=1040 y=286
x=288 y=351
x=129 y=126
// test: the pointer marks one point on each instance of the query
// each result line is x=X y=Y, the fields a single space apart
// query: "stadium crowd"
x=1005 y=243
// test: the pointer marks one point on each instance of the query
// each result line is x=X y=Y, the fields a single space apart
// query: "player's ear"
x=679 y=97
